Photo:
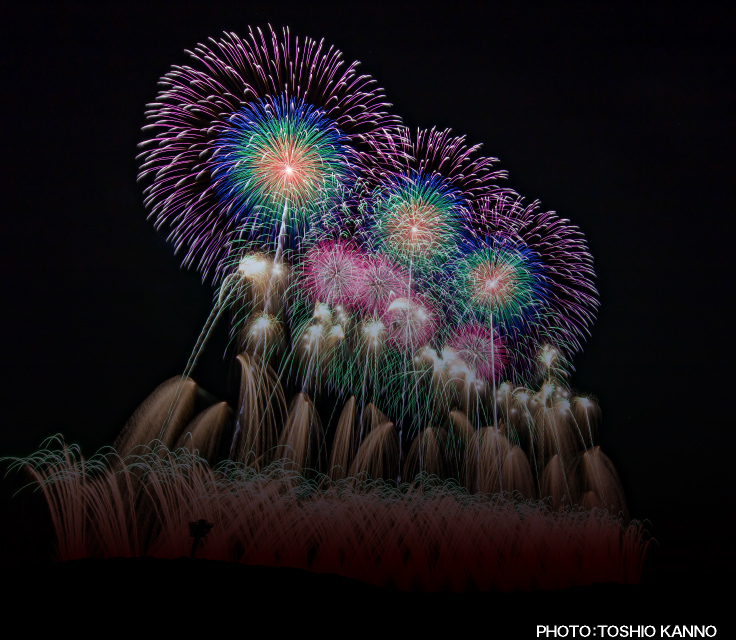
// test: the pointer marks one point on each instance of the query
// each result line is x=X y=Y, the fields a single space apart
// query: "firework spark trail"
x=217 y=310
x=140 y=505
x=521 y=399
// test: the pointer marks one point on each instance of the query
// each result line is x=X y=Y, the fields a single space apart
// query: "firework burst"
x=416 y=221
x=478 y=346
x=201 y=149
x=331 y=272
x=567 y=273
x=502 y=279
x=275 y=158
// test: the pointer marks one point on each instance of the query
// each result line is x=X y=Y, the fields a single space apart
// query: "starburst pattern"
x=278 y=158
x=196 y=112
x=502 y=278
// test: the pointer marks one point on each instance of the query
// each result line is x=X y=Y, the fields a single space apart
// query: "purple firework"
x=197 y=103
x=396 y=153
x=571 y=299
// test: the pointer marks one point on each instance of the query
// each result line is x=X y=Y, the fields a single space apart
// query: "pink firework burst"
x=381 y=281
x=411 y=323
x=481 y=349
x=332 y=272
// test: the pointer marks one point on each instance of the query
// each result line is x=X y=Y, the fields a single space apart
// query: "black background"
x=619 y=117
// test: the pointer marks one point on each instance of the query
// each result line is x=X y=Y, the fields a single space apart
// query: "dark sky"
x=621 y=118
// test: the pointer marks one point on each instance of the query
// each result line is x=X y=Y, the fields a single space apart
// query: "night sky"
x=619 y=118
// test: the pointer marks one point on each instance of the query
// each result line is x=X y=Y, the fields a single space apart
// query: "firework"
x=417 y=188
x=370 y=366
x=277 y=159
x=478 y=346
x=416 y=221
x=322 y=340
x=501 y=278
x=332 y=272
x=421 y=187
x=368 y=261
x=457 y=375
x=566 y=270
x=295 y=103
x=386 y=268
x=381 y=281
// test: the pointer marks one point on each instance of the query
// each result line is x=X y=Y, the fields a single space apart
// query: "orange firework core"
x=493 y=285
x=288 y=169
x=414 y=228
